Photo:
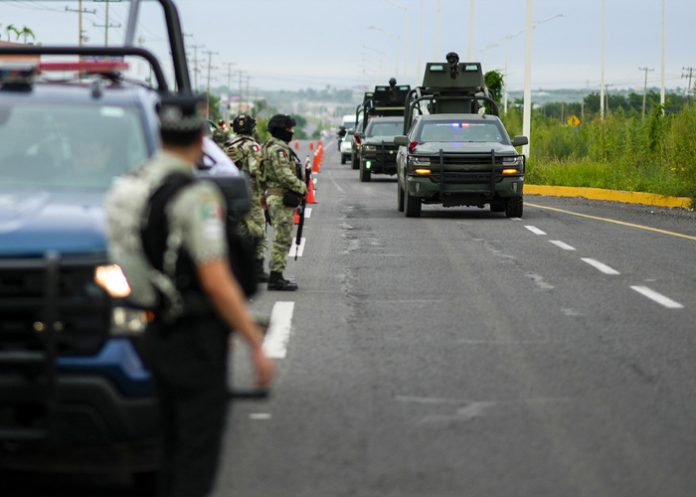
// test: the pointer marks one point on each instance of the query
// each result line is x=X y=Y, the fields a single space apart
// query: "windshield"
x=68 y=147
x=385 y=128
x=462 y=131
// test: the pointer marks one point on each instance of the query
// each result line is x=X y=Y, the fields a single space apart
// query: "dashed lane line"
x=600 y=266
x=260 y=416
x=657 y=297
x=535 y=230
x=562 y=245
x=308 y=212
x=294 y=249
x=275 y=345
x=614 y=221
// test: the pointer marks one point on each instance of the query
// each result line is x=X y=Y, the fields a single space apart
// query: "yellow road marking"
x=610 y=195
x=613 y=221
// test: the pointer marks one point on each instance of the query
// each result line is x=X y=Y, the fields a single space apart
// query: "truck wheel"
x=343 y=158
x=399 y=198
x=365 y=173
x=412 y=205
x=514 y=207
x=354 y=163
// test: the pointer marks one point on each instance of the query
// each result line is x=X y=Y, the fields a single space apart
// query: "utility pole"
x=688 y=73
x=207 y=97
x=80 y=11
x=106 y=24
x=645 y=88
x=239 y=100
x=421 y=15
x=602 y=58
x=248 y=94
x=195 y=65
x=438 y=12
x=229 y=66
x=527 y=112
x=470 y=44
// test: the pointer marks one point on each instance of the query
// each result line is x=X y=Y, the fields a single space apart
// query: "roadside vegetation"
x=625 y=151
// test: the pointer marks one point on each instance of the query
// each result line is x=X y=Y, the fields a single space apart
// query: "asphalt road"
x=466 y=354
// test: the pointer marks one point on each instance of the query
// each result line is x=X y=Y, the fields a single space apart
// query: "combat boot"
x=277 y=282
x=261 y=276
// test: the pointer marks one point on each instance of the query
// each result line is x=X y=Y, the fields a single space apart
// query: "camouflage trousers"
x=283 y=226
x=254 y=227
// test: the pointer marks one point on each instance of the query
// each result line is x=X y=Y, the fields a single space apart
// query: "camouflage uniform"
x=247 y=155
x=279 y=167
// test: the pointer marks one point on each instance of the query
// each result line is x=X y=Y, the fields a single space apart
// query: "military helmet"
x=392 y=82
x=280 y=122
x=243 y=124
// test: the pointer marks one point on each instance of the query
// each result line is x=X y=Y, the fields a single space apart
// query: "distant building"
x=4 y=59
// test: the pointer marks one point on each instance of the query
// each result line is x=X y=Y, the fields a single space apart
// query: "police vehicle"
x=383 y=101
x=456 y=150
x=75 y=395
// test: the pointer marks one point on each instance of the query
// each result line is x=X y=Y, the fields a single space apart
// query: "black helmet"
x=243 y=124
x=392 y=82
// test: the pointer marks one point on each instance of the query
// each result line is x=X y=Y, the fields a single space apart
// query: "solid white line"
x=294 y=249
x=535 y=230
x=308 y=212
x=562 y=245
x=657 y=297
x=600 y=266
x=275 y=345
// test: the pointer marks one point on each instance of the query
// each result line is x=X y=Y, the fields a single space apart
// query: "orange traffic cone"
x=297 y=217
x=315 y=163
x=297 y=145
x=311 y=145
x=311 y=199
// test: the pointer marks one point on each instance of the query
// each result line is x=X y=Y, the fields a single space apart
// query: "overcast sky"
x=299 y=43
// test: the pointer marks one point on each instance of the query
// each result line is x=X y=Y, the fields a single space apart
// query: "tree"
x=26 y=32
x=11 y=28
x=495 y=83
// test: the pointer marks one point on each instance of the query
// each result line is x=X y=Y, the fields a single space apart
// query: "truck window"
x=462 y=131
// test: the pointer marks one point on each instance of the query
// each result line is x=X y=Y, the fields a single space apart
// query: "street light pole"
x=470 y=44
x=645 y=88
x=602 y=58
x=662 y=57
x=527 y=113
x=438 y=11
x=420 y=38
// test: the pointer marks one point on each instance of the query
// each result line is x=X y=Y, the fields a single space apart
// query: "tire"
x=365 y=173
x=399 y=197
x=354 y=163
x=514 y=207
x=412 y=205
x=498 y=206
x=343 y=158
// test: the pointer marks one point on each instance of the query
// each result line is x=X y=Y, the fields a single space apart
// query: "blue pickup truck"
x=75 y=394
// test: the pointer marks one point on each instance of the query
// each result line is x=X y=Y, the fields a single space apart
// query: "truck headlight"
x=112 y=280
x=420 y=161
x=511 y=161
x=370 y=148
x=126 y=321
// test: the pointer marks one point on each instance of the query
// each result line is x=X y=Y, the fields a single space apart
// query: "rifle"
x=301 y=210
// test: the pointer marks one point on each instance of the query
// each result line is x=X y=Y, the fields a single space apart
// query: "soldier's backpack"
x=161 y=275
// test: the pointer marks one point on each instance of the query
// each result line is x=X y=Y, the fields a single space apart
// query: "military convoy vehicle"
x=384 y=101
x=377 y=152
x=455 y=150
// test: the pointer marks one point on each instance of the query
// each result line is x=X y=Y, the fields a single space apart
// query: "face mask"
x=285 y=135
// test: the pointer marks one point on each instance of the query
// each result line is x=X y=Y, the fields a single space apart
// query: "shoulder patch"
x=282 y=154
x=256 y=148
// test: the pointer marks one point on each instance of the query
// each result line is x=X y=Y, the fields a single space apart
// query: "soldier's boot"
x=261 y=276
x=277 y=282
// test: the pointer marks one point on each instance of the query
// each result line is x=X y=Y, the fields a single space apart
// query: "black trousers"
x=189 y=364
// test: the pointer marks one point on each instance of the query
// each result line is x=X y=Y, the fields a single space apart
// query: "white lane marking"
x=657 y=297
x=308 y=212
x=275 y=345
x=600 y=266
x=295 y=250
x=260 y=416
x=316 y=181
x=515 y=219
x=338 y=187
x=562 y=245
x=535 y=230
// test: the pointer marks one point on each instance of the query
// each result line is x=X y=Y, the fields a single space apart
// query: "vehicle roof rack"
x=95 y=52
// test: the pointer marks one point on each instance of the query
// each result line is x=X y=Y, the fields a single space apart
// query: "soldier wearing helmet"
x=284 y=192
x=246 y=154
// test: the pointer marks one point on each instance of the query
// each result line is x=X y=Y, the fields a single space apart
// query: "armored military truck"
x=377 y=154
x=382 y=102
x=455 y=150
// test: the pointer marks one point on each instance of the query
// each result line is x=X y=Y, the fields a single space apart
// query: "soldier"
x=284 y=192
x=187 y=349
x=246 y=154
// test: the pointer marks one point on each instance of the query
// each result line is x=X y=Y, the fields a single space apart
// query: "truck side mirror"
x=520 y=140
x=401 y=140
